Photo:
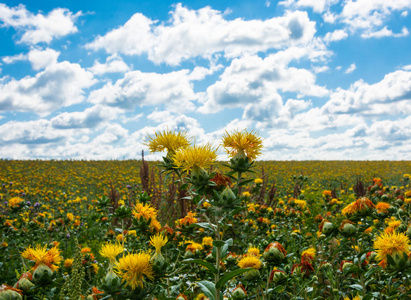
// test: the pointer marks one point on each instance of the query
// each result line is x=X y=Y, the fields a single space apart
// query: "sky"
x=317 y=79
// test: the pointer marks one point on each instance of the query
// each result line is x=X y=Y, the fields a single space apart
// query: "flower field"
x=189 y=227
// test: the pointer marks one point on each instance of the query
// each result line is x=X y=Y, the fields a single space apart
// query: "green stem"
x=265 y=296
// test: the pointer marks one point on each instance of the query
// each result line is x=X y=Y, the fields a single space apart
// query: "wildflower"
x=249 y=261
x=243 y=143
x=41 y=256
x=391 y=244
x=246 y=194
x=239 y=292
x=258 y=181
x=195 y=158
x=274 y=252
x=15 y=202
x=308 y=254
x=135 y=268
x=145 y=211
x=221 y=180
x=158 y=241
x=70 y=216
x=110 y=251
x=207 y=241
x=8 y=292
x=382 y=207
x=85 y=250
x=188 y=219
x=193 y=247
x=120 y=238
x=327 y=193
x=167 y=140
x=68 y=262
x=253 y=251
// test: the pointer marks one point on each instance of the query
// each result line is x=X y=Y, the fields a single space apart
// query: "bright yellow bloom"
x=309 y=252
x=144 y=210
x=41 y=255
x=355 y=298
x=243 y=142
x=134 y=268
x=193 y=246
x=195 y=157
x=158 y=241
x=110 y=251
x=70 y=216
x=382 y=207
x=249 y=261
x=167 y=140
x=394 y=224
x=207 y=241
x=391 y=244
x=68 y=262
x=253 y=251
x=258 y=181
x=15 y=201
x=85 y=250
x=301 y=203
x=350 y=209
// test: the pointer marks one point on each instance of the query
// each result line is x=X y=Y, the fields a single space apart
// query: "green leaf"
x=357 y=287
x=245 y=182
x=230 y=275
x=202 y=262
x=218 y=244
x=208 y=288
x=206 y=226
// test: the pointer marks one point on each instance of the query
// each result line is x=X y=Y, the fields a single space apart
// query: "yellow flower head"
x=68 y=262
x=15 y=201
x=134 y=268
x=144 y=210
x=195 y=157
x=85 y=250
x=110 y=251
x=350 y=209
x=391 y=244
x=382 y=207
x=167 y=140
x=158 y=241
x=208 y=241
x=253 y=251
x=249 y=261
x=309 y=253
x=248 y=143
x=41 y=255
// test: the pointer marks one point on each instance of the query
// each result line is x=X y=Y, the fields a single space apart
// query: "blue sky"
x=318 y=79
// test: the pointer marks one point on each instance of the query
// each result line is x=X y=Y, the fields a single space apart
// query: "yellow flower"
x=193 y=246
x=243 y=142
x=207 y=241
x=246 y=194
x=120 y=238
x=350 y=209
x=391 y=244
x=68 y=262
x=301 y=203
x=110 y=251
x=382 y=207
x=70 y=216
x=195 y=157
x=15 y=201
x=167 y=140
x=41 y=255
x=309 y=252
x=134 y=268
x=249 y=261
x=144 y=210
x=158 y=241
x=258 y=181
x=253 y=251
x=85 y=250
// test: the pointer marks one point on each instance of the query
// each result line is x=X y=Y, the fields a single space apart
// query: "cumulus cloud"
x=350 y=69
x=59 y=85
x=14 y=58
x=368 y=16
x=113 y=64
x=41 y=59
x=137 y=88
x=390 y=96
x=202 y=33
x=251 y=80
x=38 y=28
x=336 y=35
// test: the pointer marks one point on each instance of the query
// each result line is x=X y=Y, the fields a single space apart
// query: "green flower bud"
x=252 y=274
x=42 y=274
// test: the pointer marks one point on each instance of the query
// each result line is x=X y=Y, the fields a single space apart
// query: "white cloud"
x=89 y=118
x=317 y=6
x=41 y=59
x=251 y=80
x=202 y=33
x=38 y=28
x=368 y=16
x=320 y=69
x=147 y=89
x=385 y=32
x=114 y=64
x=350 y=69
x=336 y=35
x=390 y=96
x=14 y=58
x=404 y=13
x=59 y=85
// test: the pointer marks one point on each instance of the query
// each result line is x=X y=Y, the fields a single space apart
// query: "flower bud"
x=328 y=228
x=252 y=274
x=42 y=274
x=239 y=293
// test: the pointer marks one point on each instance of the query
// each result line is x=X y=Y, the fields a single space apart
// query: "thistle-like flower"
x=195 y=158
x=243 y=143
x=135 y=268
x=167 y=140
x=41 y=256
x=111 y=251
